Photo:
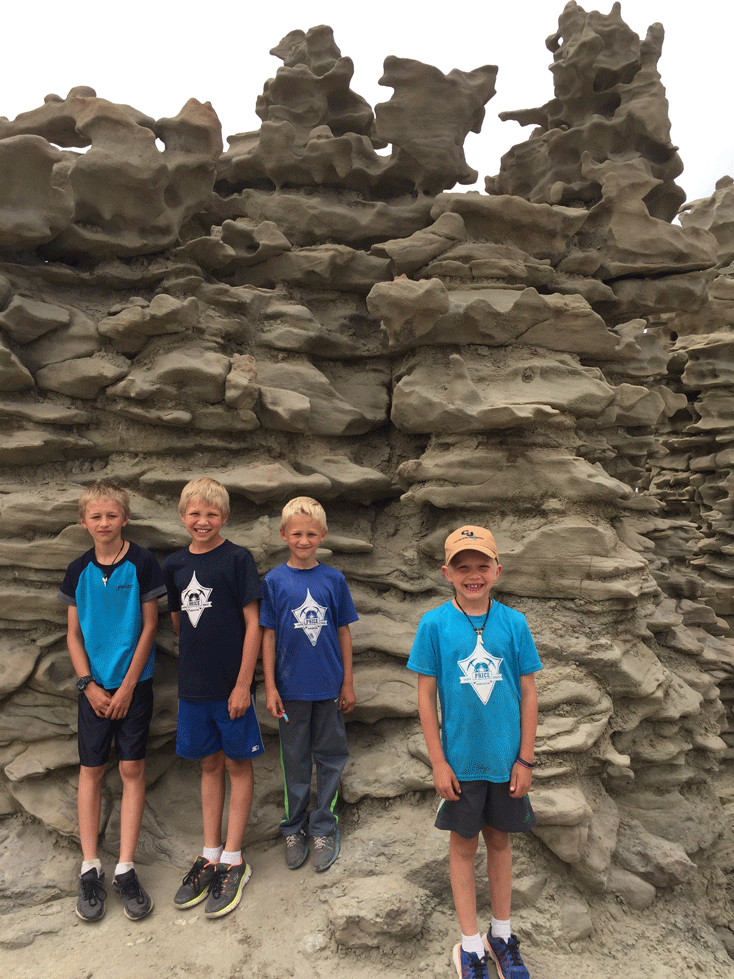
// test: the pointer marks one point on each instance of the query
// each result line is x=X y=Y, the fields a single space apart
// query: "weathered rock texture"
x=304 y=315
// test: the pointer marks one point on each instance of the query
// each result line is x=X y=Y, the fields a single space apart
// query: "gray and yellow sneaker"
x=325 y=850
x=92 y=895
x=296 y=849
x=136 y=903
x=225 y=890
x=195 y=885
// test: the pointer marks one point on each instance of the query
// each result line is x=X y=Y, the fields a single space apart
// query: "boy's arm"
x=446 y=782
x=239 y=699
x=120 y=703
x=176 y=622
x=273 y=702
x=521 y=776
x=96 y=695
x=347 y=698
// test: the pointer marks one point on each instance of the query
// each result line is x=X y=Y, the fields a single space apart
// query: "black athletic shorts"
x=130 y=733
x=485 y=804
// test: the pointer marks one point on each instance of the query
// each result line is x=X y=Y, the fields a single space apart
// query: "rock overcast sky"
x=157 y=55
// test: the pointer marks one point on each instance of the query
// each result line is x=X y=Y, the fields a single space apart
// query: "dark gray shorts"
x=130 y=733
x=485 y=804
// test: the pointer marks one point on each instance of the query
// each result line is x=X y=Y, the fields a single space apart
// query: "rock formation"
x=302 y=314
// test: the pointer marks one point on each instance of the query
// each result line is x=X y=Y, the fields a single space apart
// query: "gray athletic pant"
x=314 y=727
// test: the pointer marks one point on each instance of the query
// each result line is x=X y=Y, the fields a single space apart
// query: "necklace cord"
x=481 y=630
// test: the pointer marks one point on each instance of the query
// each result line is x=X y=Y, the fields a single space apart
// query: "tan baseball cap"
x=470 y=539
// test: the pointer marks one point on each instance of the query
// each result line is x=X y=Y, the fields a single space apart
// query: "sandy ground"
x=282 y=927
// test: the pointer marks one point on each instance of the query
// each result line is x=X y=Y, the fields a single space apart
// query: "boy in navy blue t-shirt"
x=213 y=596
x=112 y=592
x=307 y=665
x=478 y=658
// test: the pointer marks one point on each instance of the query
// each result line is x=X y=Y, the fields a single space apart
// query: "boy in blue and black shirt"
x=478 y=658
x=112 y=593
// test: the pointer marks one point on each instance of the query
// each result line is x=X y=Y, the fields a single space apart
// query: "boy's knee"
x=461 y=847
x=132 y=770
x=239 y=769
x=496 y=839
x=213 y=763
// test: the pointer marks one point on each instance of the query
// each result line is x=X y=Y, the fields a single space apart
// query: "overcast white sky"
x=156 y=54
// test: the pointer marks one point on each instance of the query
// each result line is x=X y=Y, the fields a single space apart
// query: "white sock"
x=212 y=853
x=501 y=929
x=473 y=943
x=230 y=857
x=122 y=868
x=95 y=864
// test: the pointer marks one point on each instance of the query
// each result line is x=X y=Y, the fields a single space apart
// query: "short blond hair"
x=307 y=507
x=104 y=490
x=207 y=490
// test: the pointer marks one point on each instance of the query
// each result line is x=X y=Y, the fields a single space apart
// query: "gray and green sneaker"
x=92 y=895
x=226 y=888
x=325 y=850
x=195 y=885
x=296 y=849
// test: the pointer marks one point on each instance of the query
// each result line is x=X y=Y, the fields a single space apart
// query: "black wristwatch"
x=83 y=682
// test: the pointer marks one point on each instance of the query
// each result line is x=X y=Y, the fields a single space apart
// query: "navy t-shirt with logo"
x=210 y=591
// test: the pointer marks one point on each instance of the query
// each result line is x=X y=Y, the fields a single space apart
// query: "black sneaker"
x=92 y=895
x=195 y=885
x=136 y=903
x=226 y=888
x=325 y=850
x=296 y=849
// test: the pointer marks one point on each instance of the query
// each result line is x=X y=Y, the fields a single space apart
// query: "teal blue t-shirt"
x=109 y=603
x=478 y=685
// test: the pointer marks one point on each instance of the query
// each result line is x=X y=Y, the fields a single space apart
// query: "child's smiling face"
x=472 y=574
x=303 y=535
x=203 y=521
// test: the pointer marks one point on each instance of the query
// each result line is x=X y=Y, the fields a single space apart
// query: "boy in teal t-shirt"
x=478 y=658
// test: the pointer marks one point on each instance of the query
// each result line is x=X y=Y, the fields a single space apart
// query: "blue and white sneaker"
x=469 y=965
x=506 y=957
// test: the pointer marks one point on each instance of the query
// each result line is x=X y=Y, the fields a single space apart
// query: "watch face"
x=82 y=682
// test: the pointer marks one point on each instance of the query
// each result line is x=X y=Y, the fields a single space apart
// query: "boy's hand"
x=274 y=704
x=239 y=701
x=347 y=698
x=447 y=784
x=520 y=779
x=119 y=704
x=98 y=698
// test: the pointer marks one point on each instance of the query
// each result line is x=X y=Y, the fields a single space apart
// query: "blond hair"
x=307 y=507
x=104 y=491
x=208 y=490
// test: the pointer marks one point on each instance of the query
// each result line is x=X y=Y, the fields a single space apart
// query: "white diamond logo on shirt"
x=311 y=617
x=482 y=670
x=194 y=599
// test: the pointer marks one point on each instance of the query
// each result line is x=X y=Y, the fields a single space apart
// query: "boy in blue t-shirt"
x=213 y=596
x=479 y=658
x=307 y=665
x=112 y=592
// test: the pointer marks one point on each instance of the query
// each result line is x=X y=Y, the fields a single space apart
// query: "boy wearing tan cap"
x=477 y=656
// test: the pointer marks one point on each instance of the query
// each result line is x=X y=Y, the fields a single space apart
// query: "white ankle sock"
x=230 y=857
x=122 y=868
x=212 y=853
x=90 y=864
x=501 y=929
x=473 y=943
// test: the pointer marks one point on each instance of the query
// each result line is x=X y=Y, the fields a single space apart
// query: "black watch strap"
x=83 y=682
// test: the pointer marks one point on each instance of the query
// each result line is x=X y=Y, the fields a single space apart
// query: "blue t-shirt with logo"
x=210 y=590
x=109 y=601
x=478 y=685
x=306 y=607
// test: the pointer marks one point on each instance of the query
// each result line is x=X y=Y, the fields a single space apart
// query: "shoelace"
x=218 y=880
x=294 y=839
x=477 y=966
x=192 y=877
x=131 y=890
x=321 y=842
x=92 y=890
x=512 y=949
